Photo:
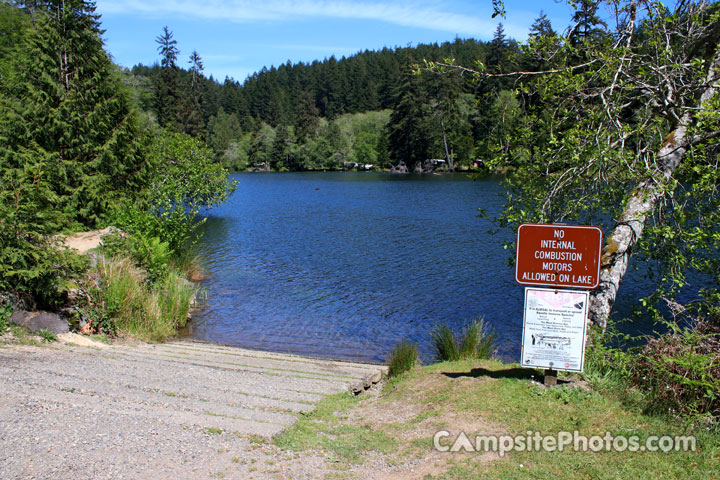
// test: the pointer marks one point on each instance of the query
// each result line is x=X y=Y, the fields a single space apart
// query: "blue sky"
x=237 y=37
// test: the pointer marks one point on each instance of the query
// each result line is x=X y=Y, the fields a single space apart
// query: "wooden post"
x=550 y=378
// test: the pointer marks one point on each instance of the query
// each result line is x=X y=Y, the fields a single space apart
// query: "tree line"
x=289 y=117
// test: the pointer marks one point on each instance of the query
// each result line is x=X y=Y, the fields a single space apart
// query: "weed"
x=402 y=359
x=47 y=335
x=144 y=311
x=213 y=430
x=22 y=335
x=5 y=313
x=256 y=439
x=477 y=341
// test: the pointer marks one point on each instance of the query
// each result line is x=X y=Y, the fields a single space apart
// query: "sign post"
x=555 y=321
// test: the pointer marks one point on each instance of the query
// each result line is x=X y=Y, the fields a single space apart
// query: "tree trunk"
x=642 y=201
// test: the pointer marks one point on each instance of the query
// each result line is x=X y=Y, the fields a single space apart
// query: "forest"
x=373 y=108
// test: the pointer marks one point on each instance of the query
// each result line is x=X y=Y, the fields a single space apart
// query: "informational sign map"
x=554 y=329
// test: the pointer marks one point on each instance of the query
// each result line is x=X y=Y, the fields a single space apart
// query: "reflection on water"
x=345 y=265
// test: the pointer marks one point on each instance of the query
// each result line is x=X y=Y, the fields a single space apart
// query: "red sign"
x=558 y=255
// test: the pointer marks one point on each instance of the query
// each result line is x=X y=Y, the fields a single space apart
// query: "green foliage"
x=30 y=260
x=6 y=312
x=47 y=335
x=680 y=371
x=185 y=180
x=402 y=358
x=67 y=111
x=150 y=254
x=477 y=341
x=128 y=303
x=70 y=142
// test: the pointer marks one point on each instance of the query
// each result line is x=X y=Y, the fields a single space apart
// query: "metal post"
x=550 y=377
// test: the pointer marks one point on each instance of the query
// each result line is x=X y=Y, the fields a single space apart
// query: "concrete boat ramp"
x=66 y=398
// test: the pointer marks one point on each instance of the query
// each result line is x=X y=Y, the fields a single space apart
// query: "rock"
x=357 y=388
x=376 y=377
x=36 y=321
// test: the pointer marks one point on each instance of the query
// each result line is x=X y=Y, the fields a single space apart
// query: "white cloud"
x=434 y=16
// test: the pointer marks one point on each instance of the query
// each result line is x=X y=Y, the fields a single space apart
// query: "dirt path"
x=176 y=410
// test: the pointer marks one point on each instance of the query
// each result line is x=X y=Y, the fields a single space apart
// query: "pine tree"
x=69 y=112
x=498 y=49
x=542 y=27
x=306 y=119
x=69 y=141
x=408 y=127
x=587 y=24
x=167 y=86
x=191 y=106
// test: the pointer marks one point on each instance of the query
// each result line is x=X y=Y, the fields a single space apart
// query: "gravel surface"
x=177 y=410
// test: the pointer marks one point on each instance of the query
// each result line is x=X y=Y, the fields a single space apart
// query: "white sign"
x=554 y=329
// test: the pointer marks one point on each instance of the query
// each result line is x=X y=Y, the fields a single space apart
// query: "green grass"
x=20 y=335
x=477 y=341
x=507 y=397
x=322 y=429
x=403 y=358
x=152 y=313
x=47 y=335
x=482 y=396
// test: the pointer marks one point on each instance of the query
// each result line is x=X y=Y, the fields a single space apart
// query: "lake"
x=346 y=265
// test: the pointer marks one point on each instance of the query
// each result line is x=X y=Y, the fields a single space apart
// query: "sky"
x=236 y=38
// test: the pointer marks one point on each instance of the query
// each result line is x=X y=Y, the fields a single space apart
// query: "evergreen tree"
x=70 y=145
x=498 y=49
x=69 y=112
x=282 y=156
x=588 y=25
x=167 y=83
x=306 y=118
x=191 y=108
x=408 y=127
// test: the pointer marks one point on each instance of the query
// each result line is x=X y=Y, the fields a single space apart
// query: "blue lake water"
x=346 y=265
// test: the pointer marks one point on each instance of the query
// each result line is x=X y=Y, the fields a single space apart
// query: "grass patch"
x=47 y=336
x=503 y=395
x=149 y=312
x=213 y=430
x=477 y=341
x=322 y=429
x=489 y=397
x=19 y=335
x=403 y=358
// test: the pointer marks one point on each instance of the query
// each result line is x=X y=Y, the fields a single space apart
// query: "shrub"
x=47 y=335
x=402 y=359
x=477 y=341
x=149 y=253
x=5 y=313
x=680 y=371
x=131 y=305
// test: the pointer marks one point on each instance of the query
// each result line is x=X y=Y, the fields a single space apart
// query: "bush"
x=477 y=341
x=402 y=359
x=185 y=180
x=149 y=253
x=47 y=335
x=680 y=372
x=5 y=313
x=127 y=302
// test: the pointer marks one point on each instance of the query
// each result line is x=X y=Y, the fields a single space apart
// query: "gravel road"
x=176 y=410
